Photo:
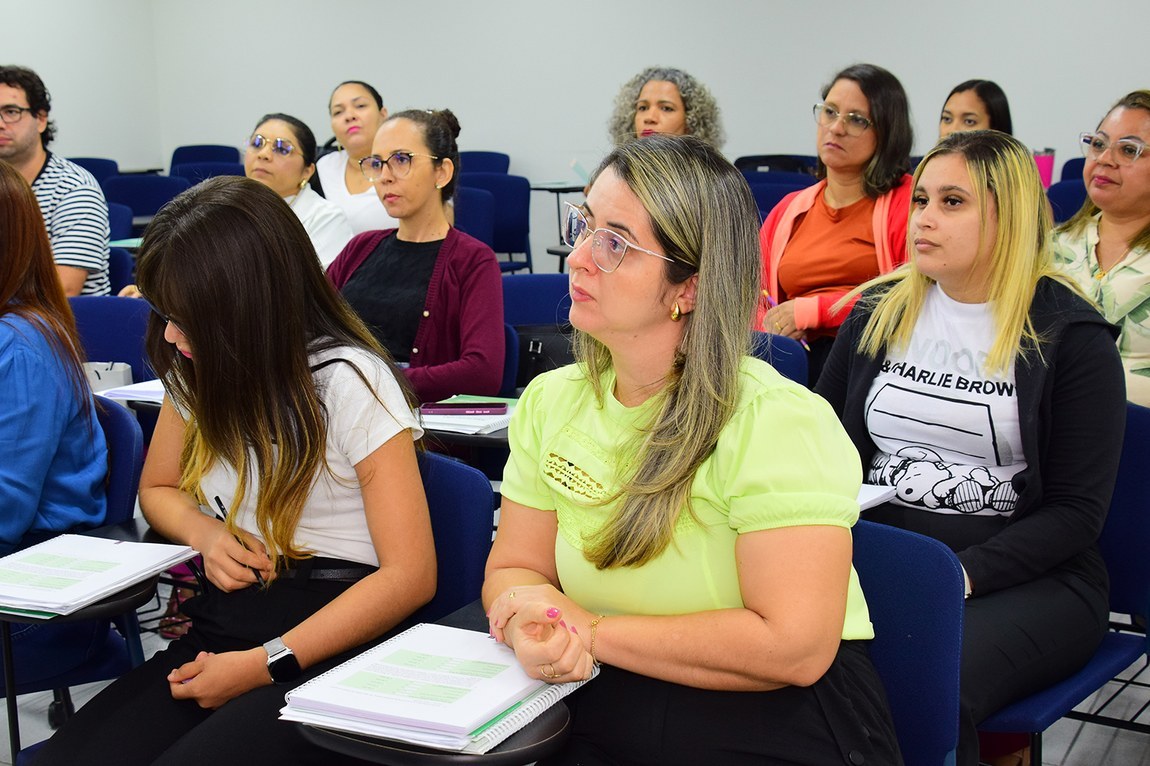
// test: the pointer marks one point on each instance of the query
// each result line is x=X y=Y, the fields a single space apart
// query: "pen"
x=773 y=303
x=223 y=516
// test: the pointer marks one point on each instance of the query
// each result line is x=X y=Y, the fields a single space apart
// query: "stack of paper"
x=69 y=572
x=431 y=685
x=470 y=424
x=146 y=391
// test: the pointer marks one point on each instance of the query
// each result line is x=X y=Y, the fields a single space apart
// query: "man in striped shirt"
x=74 y=209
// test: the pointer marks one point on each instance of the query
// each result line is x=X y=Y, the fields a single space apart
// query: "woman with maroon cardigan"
x=432 y=295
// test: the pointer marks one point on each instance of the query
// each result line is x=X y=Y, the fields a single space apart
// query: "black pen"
x=223 y=516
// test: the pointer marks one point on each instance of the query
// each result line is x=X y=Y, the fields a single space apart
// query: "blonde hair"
x=704 y=218
x=1138 y=99
x=1005 y=181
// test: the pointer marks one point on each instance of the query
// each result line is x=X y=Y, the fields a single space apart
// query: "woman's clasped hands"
x=539 y=623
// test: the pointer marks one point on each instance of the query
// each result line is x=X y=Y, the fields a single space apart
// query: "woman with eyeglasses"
x=55 y=459
x=281 y=155
x=975 y=105
x=823 y=241
x=665 y=100
x=285 y=454
x=987 y=391
x=432 y=295
x=676 y=511
x=356 y=111
x=1105 y=247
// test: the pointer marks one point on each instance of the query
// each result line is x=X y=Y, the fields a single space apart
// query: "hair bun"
x=449 y=118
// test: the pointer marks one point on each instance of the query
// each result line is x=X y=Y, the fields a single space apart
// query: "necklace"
x=1099 y=272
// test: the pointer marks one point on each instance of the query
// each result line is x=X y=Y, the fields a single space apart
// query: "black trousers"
x=135 y=721
x=624 y=718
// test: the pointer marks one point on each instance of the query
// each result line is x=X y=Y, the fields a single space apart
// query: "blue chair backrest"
x=1066 y=197
x=119 y=221
x=200 y=171
x=125 y=458
x=1126 y=537
x=785 y=354
x=484 y=162
x=144 y=194
x=512 y=208
x=769 y=194
x=475 y=214
x=784 y=163
x=913 y=586
x=121 y=264
x=459 y=498
x=536 y=299
x=112 y=330
x=510 y=361
x=802 y=180
x=99 y=167
x=1072 y=169
x=204 y=153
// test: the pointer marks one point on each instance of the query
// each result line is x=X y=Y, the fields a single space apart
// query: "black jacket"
x=1072 y=415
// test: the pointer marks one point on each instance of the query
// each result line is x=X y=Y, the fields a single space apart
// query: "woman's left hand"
x=213 y=679
x=780 y=320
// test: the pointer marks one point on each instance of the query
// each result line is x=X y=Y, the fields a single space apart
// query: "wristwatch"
x=282 y=664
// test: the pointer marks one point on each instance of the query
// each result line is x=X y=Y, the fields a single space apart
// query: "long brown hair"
x=233 y=267
x=29 y=284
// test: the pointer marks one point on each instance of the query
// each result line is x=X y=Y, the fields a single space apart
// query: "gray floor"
x=1067 y=743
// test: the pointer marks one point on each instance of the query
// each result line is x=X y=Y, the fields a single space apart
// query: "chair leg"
x=61 y=708
x=1036 y=748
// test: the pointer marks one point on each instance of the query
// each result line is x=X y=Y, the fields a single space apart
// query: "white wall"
x=133 y=79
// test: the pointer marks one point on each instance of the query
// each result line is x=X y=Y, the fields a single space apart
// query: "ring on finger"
x=545 y=674
x=511 y=594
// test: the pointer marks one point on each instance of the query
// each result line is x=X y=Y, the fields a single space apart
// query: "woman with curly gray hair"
x=665 y=100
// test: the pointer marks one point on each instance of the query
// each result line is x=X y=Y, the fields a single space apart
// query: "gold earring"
x=302 y=184
x=676 y=314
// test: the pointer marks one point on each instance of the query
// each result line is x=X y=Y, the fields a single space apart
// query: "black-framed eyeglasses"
x=11 y=113
x=854 y=123
x=163 y=317
x=280 y=146
x=607 y=247
x=398 y=162
x=1125 y=150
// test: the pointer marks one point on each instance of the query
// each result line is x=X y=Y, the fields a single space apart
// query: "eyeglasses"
x=1126 y=150
x=853 y=122
x=607 y=247
x=13 y=113
x=163 y=317
x=398 y=162
x=280 y=146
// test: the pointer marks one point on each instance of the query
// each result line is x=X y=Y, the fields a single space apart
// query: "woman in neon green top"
x=676 y=510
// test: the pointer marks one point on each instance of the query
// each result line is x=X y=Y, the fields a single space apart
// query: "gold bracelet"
x=594 y=626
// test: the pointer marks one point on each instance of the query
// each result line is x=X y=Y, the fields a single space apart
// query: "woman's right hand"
x=546 y=647
x=228 y=564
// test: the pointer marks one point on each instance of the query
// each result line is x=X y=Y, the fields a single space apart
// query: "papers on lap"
x=432 y=686
x=470 y=424
x=145 y=391
x=871 y=495
x=69 y=572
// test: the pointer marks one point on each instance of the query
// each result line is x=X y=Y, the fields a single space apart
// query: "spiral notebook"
x=431 y=685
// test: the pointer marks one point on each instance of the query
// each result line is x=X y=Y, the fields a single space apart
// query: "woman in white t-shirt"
x=285 y=454
x=989 y=393
x=356 y=111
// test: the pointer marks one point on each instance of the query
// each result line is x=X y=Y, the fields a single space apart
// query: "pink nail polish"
x=552 y=613
x=562 y=624
x=574 y=630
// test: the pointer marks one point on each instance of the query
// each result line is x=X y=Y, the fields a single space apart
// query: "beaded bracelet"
x=594 y=625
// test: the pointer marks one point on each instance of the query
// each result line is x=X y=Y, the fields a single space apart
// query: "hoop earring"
x=676 y=314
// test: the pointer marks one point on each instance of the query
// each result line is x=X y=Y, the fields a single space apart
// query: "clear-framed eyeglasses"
x=853 y=122
x=11 y=113
x=398 y=162
x=607 y=247
x=1125 y=151
x=280 y=146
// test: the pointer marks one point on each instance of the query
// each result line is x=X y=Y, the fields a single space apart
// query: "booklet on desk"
x=68 y=572
x=471 y=424
x=431 y=685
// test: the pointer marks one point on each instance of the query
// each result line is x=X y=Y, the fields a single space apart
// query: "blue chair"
x=475 y=214
x=512 y=214
x=112 y=330
x=1125 y=546
x=200 y=171
x=1072 y=169
x=144 y=194
x=510 y=361
x=1066 y=198
x=99 y=167
x=119 y=221
x=773 y=163
x=769 y=194
x=483 y=162
x=121 y=265
x=536 y=299
x=459 y=498
x=783 y=353
x=802 y=180
x=204 y=153
x=914 y=586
